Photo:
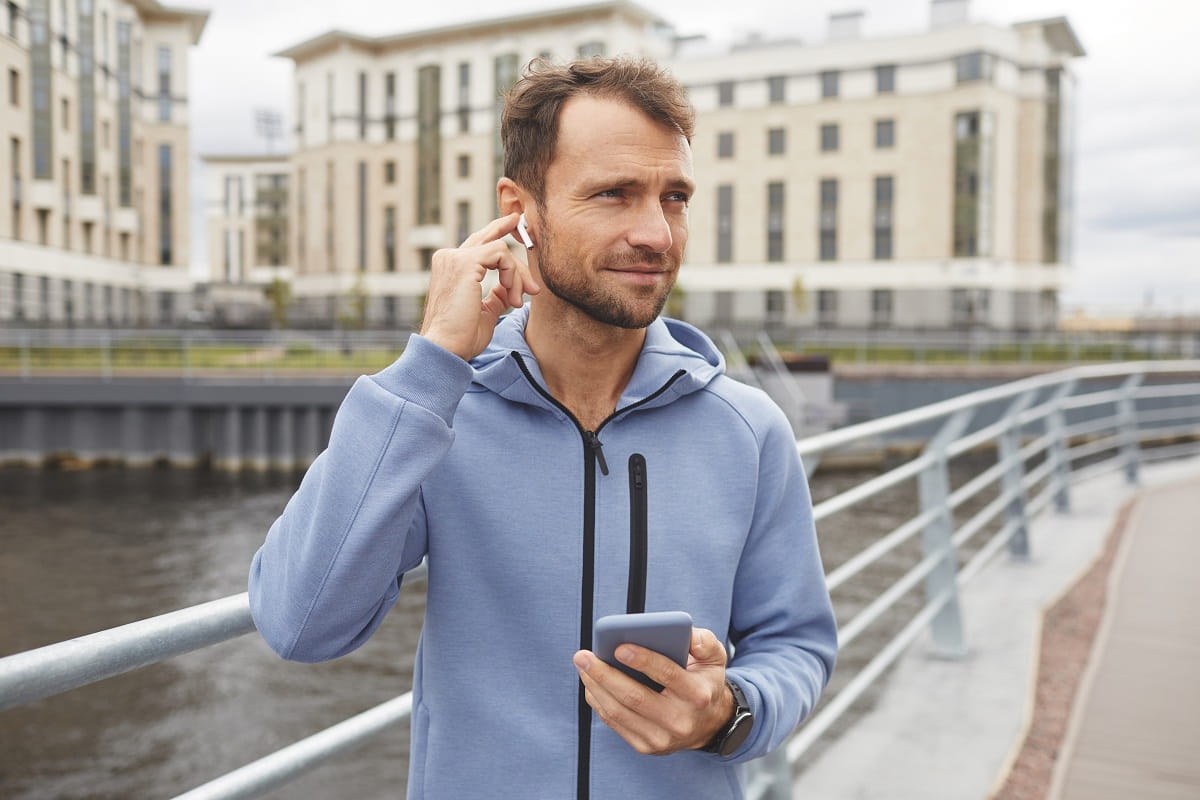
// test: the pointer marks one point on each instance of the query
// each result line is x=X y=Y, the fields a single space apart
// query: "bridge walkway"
x=946 y=729
x=1135 y=730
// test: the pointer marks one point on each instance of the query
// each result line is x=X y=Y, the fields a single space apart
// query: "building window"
x=165 y=206
x=725 y=144
x=972 y=211
x=827 y=224
x=389 y=106
x=429 y=145
x=884 y=190
x=65 y=104
x=464 y=97
x=463 y=217
x=124 y=118
x=885 y=133
x=39 y=57
x=775 y=208
x=464 y=166
x=362 y=105
x=881 y=308
x=14 y=88
x=389 y=238
x=776 y=141
x=829 y=83
x=425 y=255
x=330 y=111
x=826 y=308
x=233 y=195
x=885 y=79
x=725 y=94
x=164 y=84
x=829 y=137
x=362 y=216
x=968 y=307
x=1056 y=192
x=301 y=109
x=12 y=18
x=974 y=66
x=777 y=89
x=593 y=49
x=724 y=224
x=18 y=288
x=775 y=305
x=389 y=172
x=503 y=77
x=87 y=98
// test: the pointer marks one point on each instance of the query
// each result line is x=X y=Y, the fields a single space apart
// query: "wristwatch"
x=730 y=737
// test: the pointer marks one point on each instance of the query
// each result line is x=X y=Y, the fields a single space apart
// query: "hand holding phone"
x=665 y=632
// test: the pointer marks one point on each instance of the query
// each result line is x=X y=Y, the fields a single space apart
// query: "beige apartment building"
x=94 y=197
x=915 y=181
x=246 y=226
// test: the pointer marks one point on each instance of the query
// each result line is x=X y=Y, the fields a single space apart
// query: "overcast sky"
x=1137 y=185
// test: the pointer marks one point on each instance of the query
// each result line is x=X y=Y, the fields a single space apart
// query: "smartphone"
x=666 y=632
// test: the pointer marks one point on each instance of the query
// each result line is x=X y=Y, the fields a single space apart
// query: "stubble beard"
x=580 y=287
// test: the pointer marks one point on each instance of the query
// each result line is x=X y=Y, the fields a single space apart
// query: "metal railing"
x=1051 y=431
x=113 y=351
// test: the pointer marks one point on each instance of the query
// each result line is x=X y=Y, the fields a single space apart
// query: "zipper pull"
x=598 y=449
x=639 y=475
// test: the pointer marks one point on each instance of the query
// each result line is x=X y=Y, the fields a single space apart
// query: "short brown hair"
x=529 y=123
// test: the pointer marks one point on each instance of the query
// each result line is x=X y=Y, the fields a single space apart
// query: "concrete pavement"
x=946 y=730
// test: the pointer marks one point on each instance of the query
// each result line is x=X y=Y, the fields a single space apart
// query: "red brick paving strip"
x=1068 y=631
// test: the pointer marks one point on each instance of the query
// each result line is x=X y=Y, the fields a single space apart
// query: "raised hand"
x=457 y=315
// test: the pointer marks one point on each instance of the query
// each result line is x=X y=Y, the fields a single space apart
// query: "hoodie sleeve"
x=330 y=568
x=782 y=623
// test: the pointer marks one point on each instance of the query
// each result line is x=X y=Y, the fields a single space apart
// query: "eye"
x=678 y=197
x=611 y=193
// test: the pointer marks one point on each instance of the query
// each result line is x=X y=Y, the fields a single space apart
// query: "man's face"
x=612 y=232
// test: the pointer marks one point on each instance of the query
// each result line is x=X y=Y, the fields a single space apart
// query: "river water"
x=88 y=550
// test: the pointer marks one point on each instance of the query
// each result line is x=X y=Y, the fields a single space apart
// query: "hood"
x=670 y=346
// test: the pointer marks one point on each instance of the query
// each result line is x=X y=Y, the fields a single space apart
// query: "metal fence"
x=267 y=353
x=1055 y=429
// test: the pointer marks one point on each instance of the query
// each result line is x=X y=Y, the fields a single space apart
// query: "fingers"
x=706 y=649
x=629 y=708
x=495 y=230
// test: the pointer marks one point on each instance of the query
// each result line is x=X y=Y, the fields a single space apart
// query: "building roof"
x=1059 y=34
x=195 y=18
x=329 y=39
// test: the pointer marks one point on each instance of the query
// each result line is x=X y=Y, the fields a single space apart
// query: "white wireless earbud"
x=523 y=232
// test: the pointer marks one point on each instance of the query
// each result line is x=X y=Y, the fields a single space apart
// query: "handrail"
x=1124 y=425
x=58 y=668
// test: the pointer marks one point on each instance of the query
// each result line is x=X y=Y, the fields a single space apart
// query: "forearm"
x=329 y=569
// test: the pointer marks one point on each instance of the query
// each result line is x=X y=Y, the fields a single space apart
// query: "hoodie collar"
x=670 y=347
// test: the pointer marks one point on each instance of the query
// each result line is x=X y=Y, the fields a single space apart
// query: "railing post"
x=106 y=359
x=25 y=366
x=1056 y=427
x=946 y=626
x=1014 y=473
x=1127 y=425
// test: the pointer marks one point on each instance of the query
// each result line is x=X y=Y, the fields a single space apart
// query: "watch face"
x=738 y=732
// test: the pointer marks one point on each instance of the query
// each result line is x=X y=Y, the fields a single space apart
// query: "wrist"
x=736 y=725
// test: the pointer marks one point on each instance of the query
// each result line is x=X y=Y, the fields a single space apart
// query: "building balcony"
x=43 y=195
x=89 y=208
x=428 y=236
x=125 y=220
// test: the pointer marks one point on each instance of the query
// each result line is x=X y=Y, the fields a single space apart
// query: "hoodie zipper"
x=593 y=455
x=635 y=602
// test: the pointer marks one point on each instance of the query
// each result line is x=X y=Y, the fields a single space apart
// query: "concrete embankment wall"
x=137 y=422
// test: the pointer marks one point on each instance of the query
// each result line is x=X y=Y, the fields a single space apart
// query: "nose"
x=650 y=229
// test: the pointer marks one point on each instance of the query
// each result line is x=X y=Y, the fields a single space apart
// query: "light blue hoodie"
x=528 y=543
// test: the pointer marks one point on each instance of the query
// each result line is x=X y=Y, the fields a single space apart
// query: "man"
x=530 y=458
